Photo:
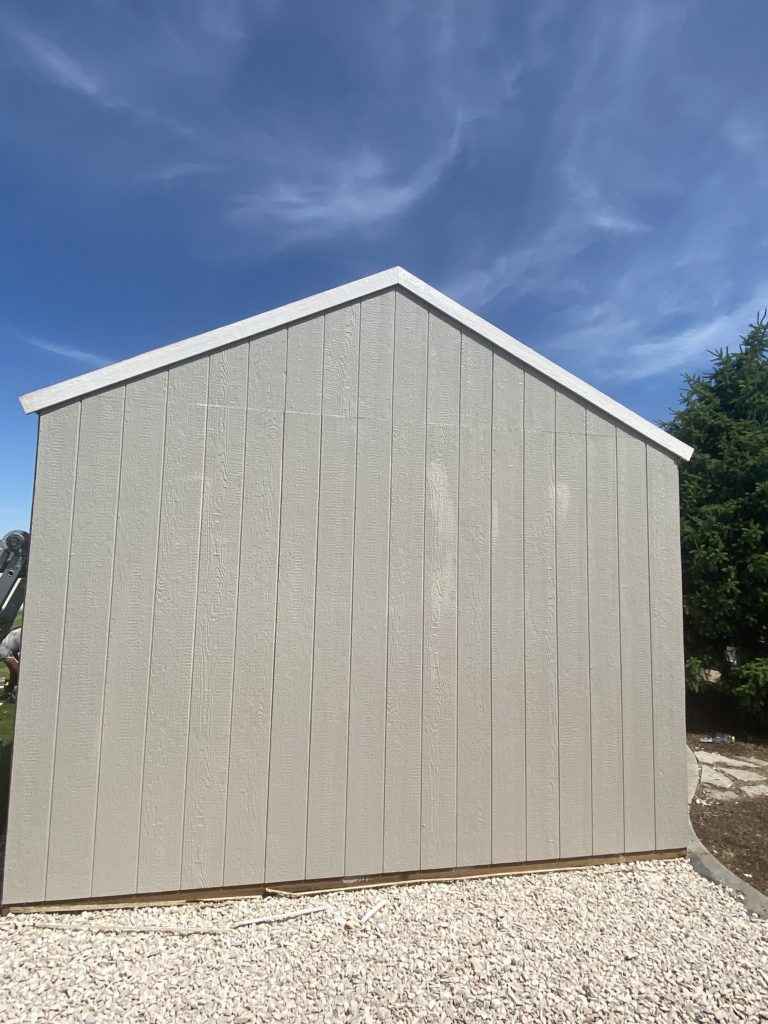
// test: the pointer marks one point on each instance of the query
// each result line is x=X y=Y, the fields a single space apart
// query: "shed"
x=358 y=586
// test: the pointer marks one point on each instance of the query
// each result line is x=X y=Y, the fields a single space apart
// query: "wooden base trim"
x=338 y=884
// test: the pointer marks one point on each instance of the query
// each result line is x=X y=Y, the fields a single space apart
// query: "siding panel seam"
x=314 y=607
x=589 y=636
x=352 y=583
x=268 y=761
x=389 y=571
x=152 y=626
x=194 y=627
x=525 y=624
x=491 y=714
x=457 y=801
x=109 y=638
x=650 y=645
x=63 y=637
x=557 y=617
x=236 y=614
x=423 y=602
x=620 y=645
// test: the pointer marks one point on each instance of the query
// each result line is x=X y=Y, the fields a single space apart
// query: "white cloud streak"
x=76 y=355
x=353 y=192
x=687 y=347
x=295 y=184
x=60 y=67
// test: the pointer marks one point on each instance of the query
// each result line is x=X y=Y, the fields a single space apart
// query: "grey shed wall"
x=356 y=596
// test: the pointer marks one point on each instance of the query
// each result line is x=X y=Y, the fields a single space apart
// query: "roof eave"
x=159 y=358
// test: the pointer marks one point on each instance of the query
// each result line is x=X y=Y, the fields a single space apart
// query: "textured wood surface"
x=129 y=648
x=473 y=788
x=402 y=780
x=364 y=826
x=86 y=631
x=205 y=797
x=541 y=711
x=438 y=750
x=604 y=638
x=294 y=640
x=248 y=774
x=26 y=850
x=507 y=614
x=667 y=665
x=327 y=796
x=574 y=726
x=174 y=636
x=634 y=614
x=357 y=595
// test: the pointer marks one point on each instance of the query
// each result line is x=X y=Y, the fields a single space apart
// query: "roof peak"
x=168 y=355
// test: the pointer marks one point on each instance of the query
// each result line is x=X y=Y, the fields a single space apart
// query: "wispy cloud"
x=77 y=355
x=354 y=191
x=58 y=66
x=66 y=71
x=686 y=347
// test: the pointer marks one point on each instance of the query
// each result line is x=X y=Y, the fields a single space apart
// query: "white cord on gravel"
x=116 y=929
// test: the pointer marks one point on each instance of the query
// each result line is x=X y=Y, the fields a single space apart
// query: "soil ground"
x=735 y=831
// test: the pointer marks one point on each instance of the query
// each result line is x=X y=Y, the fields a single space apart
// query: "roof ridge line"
x=273 y=319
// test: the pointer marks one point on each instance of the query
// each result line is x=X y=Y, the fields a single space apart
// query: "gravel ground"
x=646 y=942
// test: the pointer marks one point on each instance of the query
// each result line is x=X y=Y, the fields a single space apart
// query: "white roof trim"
x=156 y=359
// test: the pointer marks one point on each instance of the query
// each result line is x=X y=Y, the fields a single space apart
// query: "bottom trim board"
x=337 y=884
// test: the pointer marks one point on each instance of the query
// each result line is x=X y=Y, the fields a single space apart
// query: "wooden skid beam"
x=326 y=885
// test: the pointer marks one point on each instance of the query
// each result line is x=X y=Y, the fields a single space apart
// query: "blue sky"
x=589 y=176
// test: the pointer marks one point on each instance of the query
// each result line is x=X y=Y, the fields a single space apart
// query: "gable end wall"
x=359 y=595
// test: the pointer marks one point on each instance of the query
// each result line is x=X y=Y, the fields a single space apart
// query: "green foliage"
x=724 y=520
x=751 y=687
x=697 y=677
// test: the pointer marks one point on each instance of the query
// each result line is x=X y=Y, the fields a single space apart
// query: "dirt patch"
x=735 y=831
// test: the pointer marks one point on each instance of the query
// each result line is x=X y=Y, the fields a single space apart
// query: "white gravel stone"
x=761 y=789
x=632 y=943
x=710 y=757
x=743 y=776
x=759 y=761
x=712 y=777
x=723 y=795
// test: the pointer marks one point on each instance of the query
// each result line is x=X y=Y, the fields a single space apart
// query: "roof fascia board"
x=543 y=365
x=167 y=355
x=199 y=344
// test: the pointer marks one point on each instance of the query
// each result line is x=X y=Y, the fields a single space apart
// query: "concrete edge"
x=707 y=865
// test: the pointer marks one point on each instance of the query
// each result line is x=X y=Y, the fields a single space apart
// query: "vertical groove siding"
x=402 y=776
x=507 y=615
x=248 y=772
x=286 y=833
x=205 y=795
x=604 y=637
x=358 y=595
x=327 y=796
x=473 y=789
x=574 y=721
x=26 y=850
x=541 y=710
x=364 y=825
x=84 y=655
x=174 y=637
x=115 y=856
x=438 y=749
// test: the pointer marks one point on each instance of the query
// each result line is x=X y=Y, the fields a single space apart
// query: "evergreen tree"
x=724 y=521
